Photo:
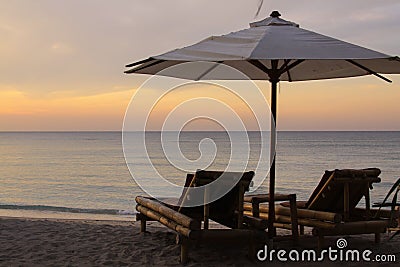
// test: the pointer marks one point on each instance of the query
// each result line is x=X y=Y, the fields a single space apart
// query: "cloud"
x=62 y=111
x=61 y=48
x=53 y=48
x=91 y=41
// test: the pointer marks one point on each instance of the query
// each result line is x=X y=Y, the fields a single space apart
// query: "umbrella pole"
x=271 y=204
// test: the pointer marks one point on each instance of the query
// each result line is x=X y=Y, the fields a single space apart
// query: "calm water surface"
x=85 y=172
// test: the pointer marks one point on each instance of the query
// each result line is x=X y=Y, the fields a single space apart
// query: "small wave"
x=66 y=209
x=126 y=212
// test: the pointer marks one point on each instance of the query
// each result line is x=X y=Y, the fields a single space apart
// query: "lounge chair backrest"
x=329 y=194
x=188 y=183
x=224 y=210
x=205 y=177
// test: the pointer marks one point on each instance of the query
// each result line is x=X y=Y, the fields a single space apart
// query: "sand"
x=59 y=242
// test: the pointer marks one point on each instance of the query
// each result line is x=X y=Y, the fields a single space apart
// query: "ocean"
x=84 y=174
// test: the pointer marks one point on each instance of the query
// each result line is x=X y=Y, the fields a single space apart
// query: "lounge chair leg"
x=206 y=209
x=293 y=218
x=301 y=229
x=377 y=238
x=255 y=209
x=346 y=200
x=184 y=249
x=142 y=225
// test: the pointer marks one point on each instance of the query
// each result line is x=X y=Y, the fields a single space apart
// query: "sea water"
x=85 y=175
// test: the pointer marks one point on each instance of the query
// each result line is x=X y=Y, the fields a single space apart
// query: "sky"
x=62 y=62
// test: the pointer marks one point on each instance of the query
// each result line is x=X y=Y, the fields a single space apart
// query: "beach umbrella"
x=276 y=50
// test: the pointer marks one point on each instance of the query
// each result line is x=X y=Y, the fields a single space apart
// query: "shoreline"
x=76 y=242
x=43 y=214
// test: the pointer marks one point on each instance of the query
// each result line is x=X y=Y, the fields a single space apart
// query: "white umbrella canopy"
x=276 y=50
x=251 y=51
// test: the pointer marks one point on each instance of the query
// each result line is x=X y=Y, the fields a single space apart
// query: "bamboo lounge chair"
x=394 y=207
x=228 y=211
x=332 y=208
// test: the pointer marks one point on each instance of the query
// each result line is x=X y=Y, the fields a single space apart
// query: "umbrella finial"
x=273 y=20
x=275 y=14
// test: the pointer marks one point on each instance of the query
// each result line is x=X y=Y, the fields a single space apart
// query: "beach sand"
x=59 y=242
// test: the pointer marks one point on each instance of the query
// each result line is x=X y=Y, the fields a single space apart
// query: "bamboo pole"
x=372 y=172
x=353 y=228
x=346 y=200
x=283 y=226
x=301 y=213
x=184 y=243
x=143 y=219
x=255 y=208
x=274 y=82
x=381 y=213
x=294 y=217
x=169 y=213
x=142 y=225
x=357 y=180
x=167 y=222
x=301 y=221
x=240 y=205
x=206 y=208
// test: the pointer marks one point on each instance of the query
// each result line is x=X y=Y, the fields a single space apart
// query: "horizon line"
x=157 y=131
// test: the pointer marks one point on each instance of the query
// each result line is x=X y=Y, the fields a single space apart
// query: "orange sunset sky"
x=62 y=62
